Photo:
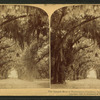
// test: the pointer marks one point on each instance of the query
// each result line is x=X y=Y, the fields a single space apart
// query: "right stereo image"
x=75 y=47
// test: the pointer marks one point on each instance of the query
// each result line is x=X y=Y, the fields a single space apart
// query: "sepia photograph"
x=75 y=47
x=50 y=49
x=24 y=47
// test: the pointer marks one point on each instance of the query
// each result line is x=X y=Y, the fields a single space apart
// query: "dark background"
x=49 y=1
x=49 y=98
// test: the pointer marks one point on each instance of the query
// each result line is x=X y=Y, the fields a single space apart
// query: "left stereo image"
x=24 y=47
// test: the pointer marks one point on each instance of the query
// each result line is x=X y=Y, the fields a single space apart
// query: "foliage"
x=68 y=26
x=5 y=57
x=26 y=26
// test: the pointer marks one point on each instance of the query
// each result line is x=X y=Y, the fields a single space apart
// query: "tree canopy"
x=27 y=27
x=71 y=26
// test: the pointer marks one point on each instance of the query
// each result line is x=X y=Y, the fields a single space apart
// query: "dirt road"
x=79 y=84
x=17 y=83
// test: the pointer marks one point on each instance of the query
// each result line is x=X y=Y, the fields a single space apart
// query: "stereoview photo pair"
x=60 y=52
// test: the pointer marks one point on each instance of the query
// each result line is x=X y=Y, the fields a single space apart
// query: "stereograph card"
x=50 y=49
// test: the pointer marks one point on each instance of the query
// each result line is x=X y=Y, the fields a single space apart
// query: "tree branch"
x=5 y=22
x=5 y=63
x=42 y=57
x=84 y=47
x=1 y=37
x=85 y=62
x=5 y=47
x=74 y=27
x=79 y=25
x=77 y=39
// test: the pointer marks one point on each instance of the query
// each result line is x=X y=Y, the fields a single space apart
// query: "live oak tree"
x=25 y=25
x=68 y=26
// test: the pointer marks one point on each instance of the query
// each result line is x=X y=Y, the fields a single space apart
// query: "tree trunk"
x=77 y=75
x=61 y=74
x=54 y=72
x=74 y=75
